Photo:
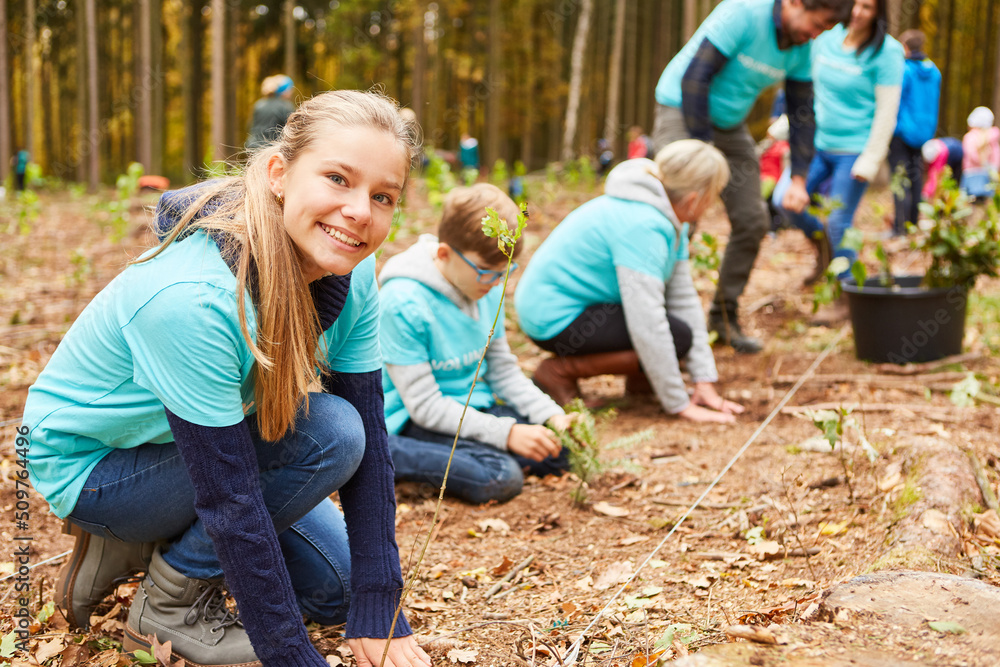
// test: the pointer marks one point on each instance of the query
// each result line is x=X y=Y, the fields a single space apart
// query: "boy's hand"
x=532 y=441
x=562 y=422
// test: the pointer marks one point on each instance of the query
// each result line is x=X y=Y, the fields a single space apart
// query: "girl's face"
x=339 y=196
x=863 y=15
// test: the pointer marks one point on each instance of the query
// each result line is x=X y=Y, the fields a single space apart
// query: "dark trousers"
x=907 y=206
x=601 y=328
x=747 y=213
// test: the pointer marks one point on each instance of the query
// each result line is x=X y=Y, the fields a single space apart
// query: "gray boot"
x=189 y=613
x=93 y=570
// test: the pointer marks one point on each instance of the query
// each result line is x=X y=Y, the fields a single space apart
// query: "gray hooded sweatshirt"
x=646 y=300
x=418 y=389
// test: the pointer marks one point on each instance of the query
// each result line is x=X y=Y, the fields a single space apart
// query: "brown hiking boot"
x=823 y=257
x=192 y=615
x=93 y=570
x=557 y=376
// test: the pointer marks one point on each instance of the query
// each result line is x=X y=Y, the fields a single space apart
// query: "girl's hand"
x=706 y=396
x=403 y=652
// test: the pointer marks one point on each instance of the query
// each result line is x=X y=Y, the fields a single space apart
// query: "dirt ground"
x=780 y=526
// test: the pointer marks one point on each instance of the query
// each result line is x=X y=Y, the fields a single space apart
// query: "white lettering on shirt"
x=757 y=66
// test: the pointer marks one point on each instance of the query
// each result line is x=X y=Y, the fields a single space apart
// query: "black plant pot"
x=905 y=322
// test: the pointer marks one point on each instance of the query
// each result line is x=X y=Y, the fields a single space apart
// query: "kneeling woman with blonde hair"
x=176 y=430
x=610 y=290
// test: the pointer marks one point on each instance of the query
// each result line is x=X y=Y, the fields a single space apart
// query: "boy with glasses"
x=439 y=299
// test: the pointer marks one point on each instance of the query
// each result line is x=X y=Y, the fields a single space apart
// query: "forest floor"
x=790 y=519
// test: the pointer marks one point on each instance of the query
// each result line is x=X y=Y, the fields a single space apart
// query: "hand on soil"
x=532 y=441
x=403 y=652
x=697 y=413
x=719 y=409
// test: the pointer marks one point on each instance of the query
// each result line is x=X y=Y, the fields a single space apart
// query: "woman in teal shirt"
x=176 y=431
x=857 y=71
x=610 y=289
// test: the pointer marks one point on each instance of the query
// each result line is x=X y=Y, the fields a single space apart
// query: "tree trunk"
x=5 y=147
x=80 y=148
x=909 y=15
x=93 y=134
x=219 y=110
x=191 y=86
x=576 y=78
x=235 y=46
x=29 y=77
x=996 y=78
x=288 y=22
x=50 y=108
x=144 y=106
x=156 y=76
x=494 y=82
x=690 y=19
x=419 y=63
x=611 y=132
x=947 y=88
x=895 y=15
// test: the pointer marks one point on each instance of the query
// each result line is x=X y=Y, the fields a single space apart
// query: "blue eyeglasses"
x=485 y=276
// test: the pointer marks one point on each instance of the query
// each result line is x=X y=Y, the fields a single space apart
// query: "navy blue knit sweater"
x=228 y=499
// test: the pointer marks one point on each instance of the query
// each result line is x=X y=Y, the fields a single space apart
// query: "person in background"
x=468 y=154
x=271 y=111
x=980 y=154
x=707 y=91
x=20 y=164
x=857 y=74
x=638 y=143
x=916 y=124
x=938 y=154
x=180 y=427
x=439 y=300
x=610 y=290
x=773 y=163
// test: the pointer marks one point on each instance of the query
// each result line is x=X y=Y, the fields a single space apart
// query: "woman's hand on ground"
x=796 y=198
x=403 y=652
x=532 y=441
x=696 y=413
x=705 y=395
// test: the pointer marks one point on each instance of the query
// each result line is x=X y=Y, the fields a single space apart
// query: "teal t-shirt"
x=744 y=32
x=163 y=333
x=575 y=267
x=844 y=85
x=420 y=325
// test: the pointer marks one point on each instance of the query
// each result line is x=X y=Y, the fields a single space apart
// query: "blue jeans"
x=844 y=189
x=144 y=494
x=479 y=472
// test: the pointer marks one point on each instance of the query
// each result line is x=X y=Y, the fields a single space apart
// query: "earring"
x=279 y=199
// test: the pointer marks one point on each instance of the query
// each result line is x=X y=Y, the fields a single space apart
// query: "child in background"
x=439 y=299
x=775 y=157
x=938 y=154
x=638 y=143
x=981 y=159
